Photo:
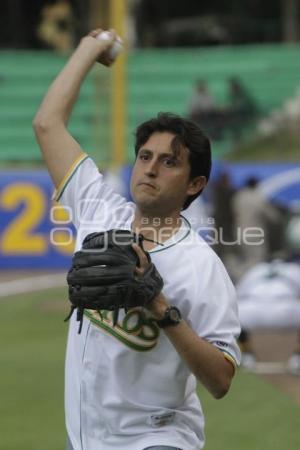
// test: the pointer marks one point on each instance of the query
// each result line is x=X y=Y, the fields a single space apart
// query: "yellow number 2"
x=18 y=237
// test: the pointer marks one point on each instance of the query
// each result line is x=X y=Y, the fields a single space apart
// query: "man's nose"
x=152 y=168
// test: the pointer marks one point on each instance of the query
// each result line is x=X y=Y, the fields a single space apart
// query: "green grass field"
x=253 y=416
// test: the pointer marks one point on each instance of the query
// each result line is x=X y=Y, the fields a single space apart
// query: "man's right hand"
x=104 y=45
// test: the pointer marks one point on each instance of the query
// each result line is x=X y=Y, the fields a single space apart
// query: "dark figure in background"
x=203 y=110
x=223 y=193
x=242 y=109
x=218 y=121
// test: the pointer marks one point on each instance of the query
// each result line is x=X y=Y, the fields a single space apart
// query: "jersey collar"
x=183 y=232
x=179 y=236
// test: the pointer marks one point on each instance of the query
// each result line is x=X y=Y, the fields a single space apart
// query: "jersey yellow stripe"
x=58 y=192
x=230 y=359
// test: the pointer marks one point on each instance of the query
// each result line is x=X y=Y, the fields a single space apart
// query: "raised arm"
x=58 y=147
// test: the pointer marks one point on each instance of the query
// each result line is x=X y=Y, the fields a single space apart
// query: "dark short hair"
x=187 y=134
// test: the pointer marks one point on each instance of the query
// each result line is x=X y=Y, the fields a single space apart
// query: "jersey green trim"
x=121 y=335
x=175 y=243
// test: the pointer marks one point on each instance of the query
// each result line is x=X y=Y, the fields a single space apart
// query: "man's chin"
x=148 y=206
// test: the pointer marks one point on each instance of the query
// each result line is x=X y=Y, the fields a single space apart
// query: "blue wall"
x=35 y=233
x=28 y=236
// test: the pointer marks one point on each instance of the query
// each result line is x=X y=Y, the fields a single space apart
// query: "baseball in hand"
x=116 y=47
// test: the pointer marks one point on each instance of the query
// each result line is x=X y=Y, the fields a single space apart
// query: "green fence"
x=158 y=80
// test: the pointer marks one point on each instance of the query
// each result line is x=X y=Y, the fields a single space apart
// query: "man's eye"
x=169 y=162
x=144 y=157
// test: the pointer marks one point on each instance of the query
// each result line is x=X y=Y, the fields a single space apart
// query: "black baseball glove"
x=103 y=275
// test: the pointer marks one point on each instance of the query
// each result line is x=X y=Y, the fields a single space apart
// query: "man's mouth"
x=145 y=183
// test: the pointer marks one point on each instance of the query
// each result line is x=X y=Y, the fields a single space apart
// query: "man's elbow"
x=221 y=390
x=40 y=124
x=221 y=386
x=43 y=125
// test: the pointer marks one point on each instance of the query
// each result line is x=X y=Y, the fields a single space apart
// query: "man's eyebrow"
x=143 y=149
x=168 y=154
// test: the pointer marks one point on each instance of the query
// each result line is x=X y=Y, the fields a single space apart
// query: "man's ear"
x=196 y=184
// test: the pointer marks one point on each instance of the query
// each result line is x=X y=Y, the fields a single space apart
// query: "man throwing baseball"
x=131 y=377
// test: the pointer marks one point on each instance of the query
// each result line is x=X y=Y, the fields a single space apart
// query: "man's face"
x=160 y=181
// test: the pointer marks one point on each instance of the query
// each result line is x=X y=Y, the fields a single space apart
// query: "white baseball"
x=117 y=46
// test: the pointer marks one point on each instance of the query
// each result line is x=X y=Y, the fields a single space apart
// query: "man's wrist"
x=159 y=306
x=89 y=42
x=92 y=46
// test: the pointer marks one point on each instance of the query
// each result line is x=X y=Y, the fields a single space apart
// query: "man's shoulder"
x=197 y=250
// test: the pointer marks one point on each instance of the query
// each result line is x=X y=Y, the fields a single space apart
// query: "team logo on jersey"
x=135 y=329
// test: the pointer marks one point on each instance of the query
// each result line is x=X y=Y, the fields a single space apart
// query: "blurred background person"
x=201 y=101
x=203 y=109
x=252 y=213
x=222 y=196
x=269 y=300
x=56 y=27
x=241 y=109
x=269 y=296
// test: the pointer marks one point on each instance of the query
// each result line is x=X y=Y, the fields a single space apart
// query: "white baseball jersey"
x=126 y=386
x=269 y=296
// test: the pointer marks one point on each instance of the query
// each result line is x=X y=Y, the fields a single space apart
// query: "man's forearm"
x=62 y=94
x=204 y=360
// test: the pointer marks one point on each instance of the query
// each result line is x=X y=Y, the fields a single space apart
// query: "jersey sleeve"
x=89 y=201
x=215 y=316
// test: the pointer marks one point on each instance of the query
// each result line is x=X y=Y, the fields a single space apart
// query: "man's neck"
x=157 y=229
